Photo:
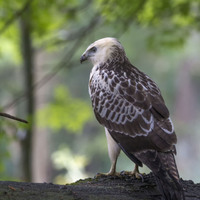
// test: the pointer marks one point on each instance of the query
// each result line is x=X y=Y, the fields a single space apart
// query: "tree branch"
x=124 y=187
x=12 y=117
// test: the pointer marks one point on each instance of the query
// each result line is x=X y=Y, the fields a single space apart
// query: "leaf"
x=64 y=112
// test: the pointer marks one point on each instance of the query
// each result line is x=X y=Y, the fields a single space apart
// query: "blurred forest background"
x=42 y=81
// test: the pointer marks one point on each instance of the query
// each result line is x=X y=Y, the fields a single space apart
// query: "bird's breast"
x=93 y=80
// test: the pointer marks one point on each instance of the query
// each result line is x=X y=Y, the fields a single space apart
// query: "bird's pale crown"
x=101 y=50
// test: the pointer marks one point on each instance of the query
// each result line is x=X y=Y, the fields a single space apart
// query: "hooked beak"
x=83 y=58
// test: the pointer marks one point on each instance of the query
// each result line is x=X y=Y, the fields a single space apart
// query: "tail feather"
x=163 y=166
x=171 y=189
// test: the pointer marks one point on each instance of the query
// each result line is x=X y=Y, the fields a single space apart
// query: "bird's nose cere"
x=83 y=58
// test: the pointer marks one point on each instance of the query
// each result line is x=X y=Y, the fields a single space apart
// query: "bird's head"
x=102 y=50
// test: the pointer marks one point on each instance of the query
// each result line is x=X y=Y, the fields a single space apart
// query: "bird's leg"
x=113 y=151
x=112 y=170
x=136 y=172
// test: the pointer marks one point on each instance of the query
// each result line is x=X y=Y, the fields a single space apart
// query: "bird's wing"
x=129 y=104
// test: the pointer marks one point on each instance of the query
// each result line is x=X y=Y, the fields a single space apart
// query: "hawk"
x=129 y=104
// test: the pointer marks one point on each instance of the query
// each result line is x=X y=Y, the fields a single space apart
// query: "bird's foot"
x=134 y=173
x=99 y=175
x=138 y=175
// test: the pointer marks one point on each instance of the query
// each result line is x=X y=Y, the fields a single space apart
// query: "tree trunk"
x=27 y=54
x=124 y=187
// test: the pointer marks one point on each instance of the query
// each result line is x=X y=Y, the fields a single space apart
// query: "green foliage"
x=151 y=12
x=8 y=50
x=172 y=20
x=64 y=112
x=45 y=18
x=45 y=15
x=47 y=21
x=72 y=163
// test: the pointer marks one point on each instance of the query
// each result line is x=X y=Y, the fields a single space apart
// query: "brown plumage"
x=130 y=105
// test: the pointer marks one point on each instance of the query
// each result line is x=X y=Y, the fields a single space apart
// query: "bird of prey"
x=129 y=104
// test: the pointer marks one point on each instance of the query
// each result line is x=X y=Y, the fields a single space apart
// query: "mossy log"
x=124 y=187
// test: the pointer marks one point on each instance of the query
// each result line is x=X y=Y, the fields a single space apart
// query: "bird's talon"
x=99 y=175
x=123 y=173
x=139 y=176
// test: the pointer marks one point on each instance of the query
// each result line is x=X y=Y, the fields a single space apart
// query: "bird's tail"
x=163 y=166
x=167 y=178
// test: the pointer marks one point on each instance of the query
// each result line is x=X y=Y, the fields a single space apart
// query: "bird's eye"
x=93 y=49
